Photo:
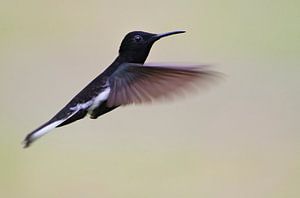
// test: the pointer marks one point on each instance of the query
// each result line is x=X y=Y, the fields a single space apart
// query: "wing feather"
x=136 y=83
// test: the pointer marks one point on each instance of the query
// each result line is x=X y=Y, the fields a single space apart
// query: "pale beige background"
x=240 y=138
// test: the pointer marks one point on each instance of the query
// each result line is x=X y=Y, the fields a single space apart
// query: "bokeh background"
x=240 y=138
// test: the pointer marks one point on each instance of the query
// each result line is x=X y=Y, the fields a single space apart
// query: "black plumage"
x=127 y=80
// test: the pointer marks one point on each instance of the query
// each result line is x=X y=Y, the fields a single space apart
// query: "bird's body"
x=124 y=82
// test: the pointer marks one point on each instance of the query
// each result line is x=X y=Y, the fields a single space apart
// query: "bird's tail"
x=39 y=132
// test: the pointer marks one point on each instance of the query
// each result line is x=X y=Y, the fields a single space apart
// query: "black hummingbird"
x=127 y=80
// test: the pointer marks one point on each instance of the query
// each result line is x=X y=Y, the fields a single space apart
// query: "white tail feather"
x=40 y=132
x=45 y=130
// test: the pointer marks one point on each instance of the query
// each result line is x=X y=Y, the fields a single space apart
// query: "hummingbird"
x=126 y=81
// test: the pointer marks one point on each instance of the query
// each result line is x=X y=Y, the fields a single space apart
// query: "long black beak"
x=159 y=36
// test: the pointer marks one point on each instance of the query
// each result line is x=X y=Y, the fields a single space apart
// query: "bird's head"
x=136 y=45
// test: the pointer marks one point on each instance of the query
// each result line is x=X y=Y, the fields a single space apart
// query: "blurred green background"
x=240 y=138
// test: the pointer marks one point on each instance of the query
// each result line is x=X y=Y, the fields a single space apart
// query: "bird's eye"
x=137 y=38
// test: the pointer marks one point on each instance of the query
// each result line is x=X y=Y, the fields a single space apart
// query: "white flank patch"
x=100 y=98
x=82 y=106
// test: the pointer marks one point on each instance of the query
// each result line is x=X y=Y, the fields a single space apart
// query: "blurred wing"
x=136 y=83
